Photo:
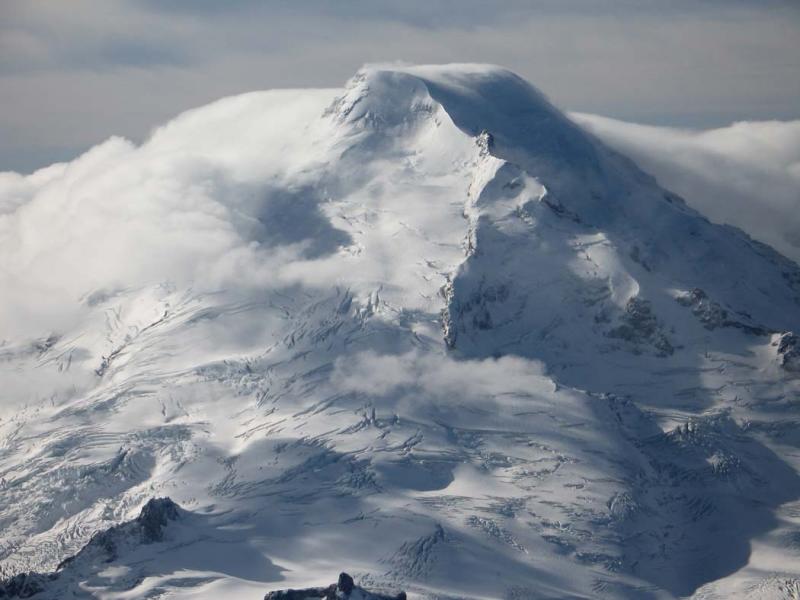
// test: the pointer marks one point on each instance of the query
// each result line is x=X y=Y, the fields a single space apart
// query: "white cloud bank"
x=746 y=175
x=438 y=375
x=188 y=207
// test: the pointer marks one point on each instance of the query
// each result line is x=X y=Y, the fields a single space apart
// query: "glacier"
x=424 y=329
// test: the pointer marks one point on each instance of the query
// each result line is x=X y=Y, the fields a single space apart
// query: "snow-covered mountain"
x=424 y=329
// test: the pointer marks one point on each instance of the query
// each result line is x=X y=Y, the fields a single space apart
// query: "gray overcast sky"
x=73 y=72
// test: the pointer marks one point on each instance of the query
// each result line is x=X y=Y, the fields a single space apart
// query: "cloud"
x=746 y=175
x=193 y=206
x=439 y=377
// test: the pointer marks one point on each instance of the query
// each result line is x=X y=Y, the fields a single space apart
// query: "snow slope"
x=746 y=174
x=424 y=329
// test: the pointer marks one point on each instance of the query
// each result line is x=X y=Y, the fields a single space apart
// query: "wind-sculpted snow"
x=423 y=329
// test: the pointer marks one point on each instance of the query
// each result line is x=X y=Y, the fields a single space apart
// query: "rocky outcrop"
x=103 y=547
x=154 y=517
x=472 y=311
x=344 y=588
x=641 y=326
x=712 y=315
x=789 y=351
x=709 y=313
x=147 y=528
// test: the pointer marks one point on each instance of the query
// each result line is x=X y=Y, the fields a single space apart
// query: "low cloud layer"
x=746 y=175
x=440 y=376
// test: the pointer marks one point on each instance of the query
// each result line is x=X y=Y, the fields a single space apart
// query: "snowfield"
x=425 y=329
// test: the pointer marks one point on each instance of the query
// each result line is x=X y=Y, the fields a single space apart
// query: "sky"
x=74 y=73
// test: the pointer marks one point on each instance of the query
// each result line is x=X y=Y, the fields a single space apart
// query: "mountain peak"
x=476 y=97
x=423 y=325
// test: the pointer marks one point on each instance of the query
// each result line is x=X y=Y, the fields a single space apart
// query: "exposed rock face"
x=485 y=141
x=104 y=546
x=711 y=314
x=345 y=588
x=346 y=583
x=147 y=528
x=154 y=518
x=789 y=351
x=641 y=326
x=474 y=312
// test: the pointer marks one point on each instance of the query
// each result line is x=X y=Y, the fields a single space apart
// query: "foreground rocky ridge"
x=107 y=547
x=345 y=587
x=103 y=548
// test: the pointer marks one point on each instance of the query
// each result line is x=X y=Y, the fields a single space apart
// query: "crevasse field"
x=424 y=329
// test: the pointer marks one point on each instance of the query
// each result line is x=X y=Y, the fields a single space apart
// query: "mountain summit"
x=424 y=329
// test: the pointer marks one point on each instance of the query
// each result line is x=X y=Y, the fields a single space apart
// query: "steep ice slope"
x=423 y=329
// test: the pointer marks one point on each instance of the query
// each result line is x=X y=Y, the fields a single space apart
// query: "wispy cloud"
x=746 y=175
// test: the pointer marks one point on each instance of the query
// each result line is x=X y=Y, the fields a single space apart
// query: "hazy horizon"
x=71 y=75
